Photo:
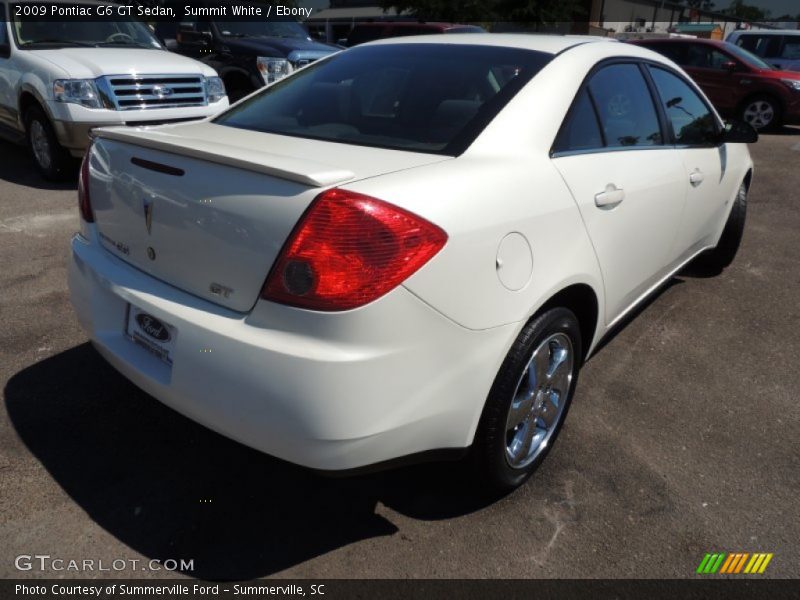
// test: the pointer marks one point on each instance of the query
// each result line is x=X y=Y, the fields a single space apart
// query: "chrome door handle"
x=610 y=197
x=696 y=177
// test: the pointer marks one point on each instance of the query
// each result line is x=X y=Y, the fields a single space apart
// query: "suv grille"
x=130 y=92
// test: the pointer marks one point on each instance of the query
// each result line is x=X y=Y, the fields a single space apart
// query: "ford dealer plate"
x=151 y=333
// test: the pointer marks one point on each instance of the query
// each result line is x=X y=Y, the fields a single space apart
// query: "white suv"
x=58 y=80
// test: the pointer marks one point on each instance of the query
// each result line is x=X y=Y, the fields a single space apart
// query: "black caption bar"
x=158 y=10
x=336 y=589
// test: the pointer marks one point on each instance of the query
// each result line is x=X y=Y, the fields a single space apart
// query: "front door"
x=629 y=186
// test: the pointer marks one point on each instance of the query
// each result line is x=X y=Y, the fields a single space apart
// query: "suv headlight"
x=215 y=89
x=792 y=83
x=272 y=69
x=77 y=91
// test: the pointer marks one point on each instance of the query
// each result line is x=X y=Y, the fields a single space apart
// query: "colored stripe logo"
x=734 y=563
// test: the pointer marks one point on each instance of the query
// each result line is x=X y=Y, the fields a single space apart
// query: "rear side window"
x=764 y=46
x=580 y=131
x=625 y=107
x=674 y=52
x=692 y=121
x=434 y=98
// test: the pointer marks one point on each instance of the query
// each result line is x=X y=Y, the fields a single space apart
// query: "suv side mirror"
x=739 y=132
x=189 y=37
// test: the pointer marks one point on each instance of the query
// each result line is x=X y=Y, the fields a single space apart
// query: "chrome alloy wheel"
x=759 y=114
x=539 y=400
x=41 y=144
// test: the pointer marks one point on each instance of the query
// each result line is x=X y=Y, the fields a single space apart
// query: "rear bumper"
x=328 y=391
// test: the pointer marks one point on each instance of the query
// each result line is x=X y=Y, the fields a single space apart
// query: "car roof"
x=718 y=43
x=408 y=24
x=551 y=44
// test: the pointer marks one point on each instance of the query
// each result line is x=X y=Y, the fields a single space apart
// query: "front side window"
x=433 y=98
x=692 y=121
x=791 y=49
x=3 y=28
x=625 y=107
x=705 y=57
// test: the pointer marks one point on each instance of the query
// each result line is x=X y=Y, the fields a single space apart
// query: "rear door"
x=629 y=185
x=695 y=131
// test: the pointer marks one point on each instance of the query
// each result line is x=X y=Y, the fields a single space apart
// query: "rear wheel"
x=51 y=159
x=529 y=400
x=762 y=112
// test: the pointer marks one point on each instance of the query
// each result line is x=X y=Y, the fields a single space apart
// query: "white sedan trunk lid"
x=207 y=208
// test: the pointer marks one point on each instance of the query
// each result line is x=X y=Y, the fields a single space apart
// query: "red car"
x=739 y=83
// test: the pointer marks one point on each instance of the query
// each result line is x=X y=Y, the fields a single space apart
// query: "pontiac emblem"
x=148 y=214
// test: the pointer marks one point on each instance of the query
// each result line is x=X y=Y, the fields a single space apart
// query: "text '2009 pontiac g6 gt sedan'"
x=409 y=247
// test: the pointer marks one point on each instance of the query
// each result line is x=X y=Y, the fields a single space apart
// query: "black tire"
x=754 y=106
x=51 y=159
x=716 y=259
x=491 y=450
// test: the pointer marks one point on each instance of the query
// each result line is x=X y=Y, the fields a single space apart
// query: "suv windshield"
x=262 y=29
x=432 y=98
x=31 y=32
x=748 y=57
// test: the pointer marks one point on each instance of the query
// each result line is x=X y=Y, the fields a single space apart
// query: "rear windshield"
x=433 y=98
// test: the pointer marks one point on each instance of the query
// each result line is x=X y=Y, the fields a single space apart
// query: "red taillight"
x=348 y=250
x=84 y=202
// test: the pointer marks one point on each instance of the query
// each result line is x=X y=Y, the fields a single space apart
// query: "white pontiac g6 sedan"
x=406 y=249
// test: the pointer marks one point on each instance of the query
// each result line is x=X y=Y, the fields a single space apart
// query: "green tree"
x=699 y=4
x=744 y=11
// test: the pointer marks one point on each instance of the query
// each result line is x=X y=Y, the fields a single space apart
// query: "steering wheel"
x=120 y=37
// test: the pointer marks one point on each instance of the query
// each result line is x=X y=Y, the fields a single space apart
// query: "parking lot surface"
x=684 y=438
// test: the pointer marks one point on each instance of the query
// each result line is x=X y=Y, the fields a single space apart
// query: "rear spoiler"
x=284 y=167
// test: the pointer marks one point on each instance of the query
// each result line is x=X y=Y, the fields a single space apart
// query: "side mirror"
x=730 y=66
x=739 y=132
x=170 y=44
x=189 y=37
x=5 y=49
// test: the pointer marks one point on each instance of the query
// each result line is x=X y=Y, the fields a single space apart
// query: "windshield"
x=262 y=29
x=31 y=32
x=748 y=57
x=433 y=98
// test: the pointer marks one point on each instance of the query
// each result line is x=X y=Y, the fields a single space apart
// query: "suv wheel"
x=762 y=112
x=529 y=400
x=51 y=159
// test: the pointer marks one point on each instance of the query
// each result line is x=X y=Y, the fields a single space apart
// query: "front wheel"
x=762 y=112
x=718 y=258
x=51 y=159
x=529 y=400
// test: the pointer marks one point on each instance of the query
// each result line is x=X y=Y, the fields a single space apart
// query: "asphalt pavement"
x=684 y=438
